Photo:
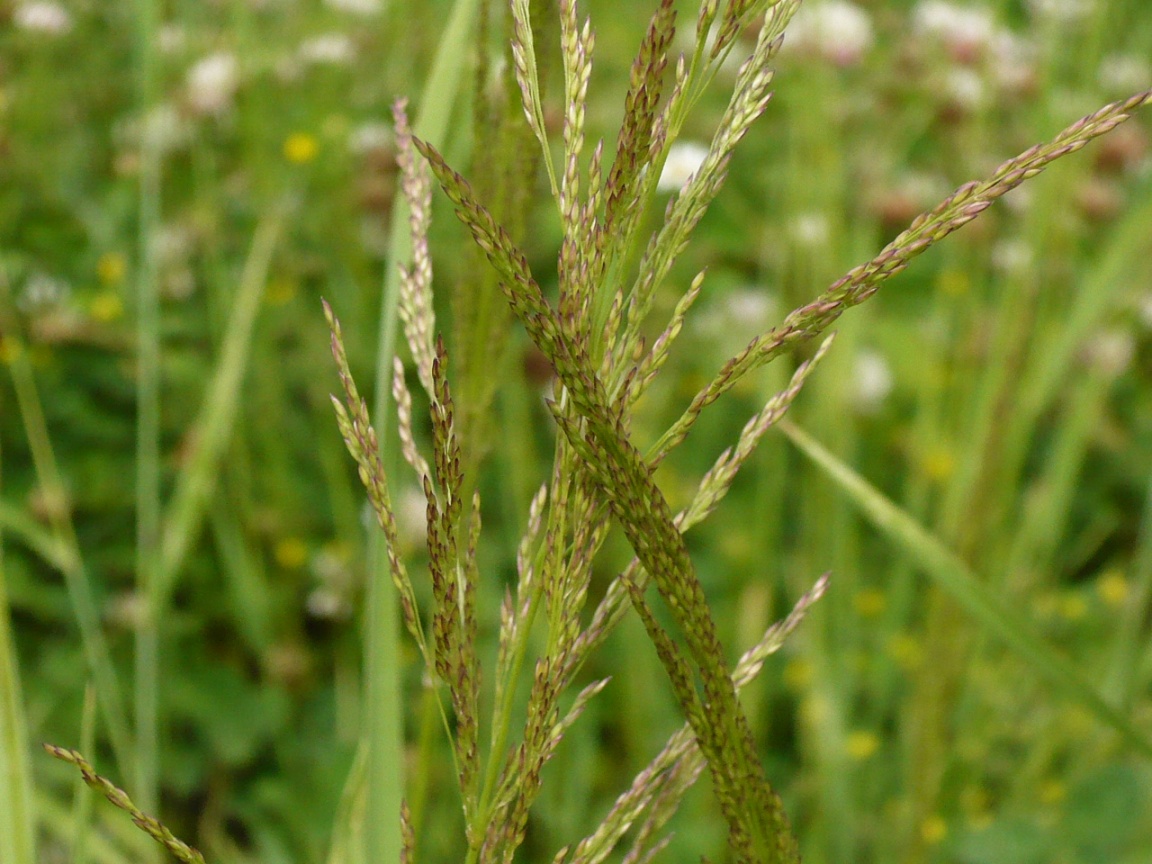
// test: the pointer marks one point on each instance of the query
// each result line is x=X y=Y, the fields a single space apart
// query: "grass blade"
x=76 y=576
x=148 y=346
x=958 y=580
x=217 y=412
x=17 y=810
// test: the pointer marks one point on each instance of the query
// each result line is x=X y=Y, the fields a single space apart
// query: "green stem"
x=148 y=507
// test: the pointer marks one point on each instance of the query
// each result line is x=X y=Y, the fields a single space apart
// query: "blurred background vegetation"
x=998 y=391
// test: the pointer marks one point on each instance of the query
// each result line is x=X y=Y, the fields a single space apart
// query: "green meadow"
x=610 y=550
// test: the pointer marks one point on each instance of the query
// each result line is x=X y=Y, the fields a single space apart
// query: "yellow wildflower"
x=301 y=148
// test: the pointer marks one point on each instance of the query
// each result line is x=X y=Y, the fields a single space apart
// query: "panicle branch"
x=119 y=798
x=355 y=425
x=861 y=282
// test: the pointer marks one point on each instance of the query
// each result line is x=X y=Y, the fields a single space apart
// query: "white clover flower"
x=1012 y=60
x=42 y=291
x=965 y=88
x=1012 y=256
x=1063 y=11
x=735 y=316
x=211 y=83
x=926 y=189
x=171 y=38
x=164 y=128
x=373 y=135
x=330 y=599
x=966 y=31
x=684 y=160
x=327 y=605
x=1020 y=199
x=332 y=48
x=1111 y=351
x=1124 y=73
x=411 y=510
x=1144 y=310
x=837 y=30
x=752 y=308
x=356 y=7
x=811 y=229
x=368 y=137
x=172 y=243
x=872 y=381
x=329 y=566
x=42 y=16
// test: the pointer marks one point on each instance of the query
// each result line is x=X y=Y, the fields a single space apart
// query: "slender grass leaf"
x=992 y=613
x=17 y=810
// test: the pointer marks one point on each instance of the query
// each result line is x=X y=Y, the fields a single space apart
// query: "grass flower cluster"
x=592 y=340
x=515 y=595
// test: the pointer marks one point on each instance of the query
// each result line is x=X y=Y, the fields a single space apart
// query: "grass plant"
x=577 y=511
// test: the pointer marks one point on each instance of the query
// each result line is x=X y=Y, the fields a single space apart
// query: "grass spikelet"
x=579 y=224
x=404 y=419
x=415 y=306
x=749 y=99
x=655 y=359
x=632 y=147
x=528 y=79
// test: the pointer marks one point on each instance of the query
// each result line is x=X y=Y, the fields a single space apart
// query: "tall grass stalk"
x=1130 y=668
x=81 y=794
x=148 y=505
x=994 y=616
x=196 y=483
x=17 y=805
x=382 y=732
x=68 y=554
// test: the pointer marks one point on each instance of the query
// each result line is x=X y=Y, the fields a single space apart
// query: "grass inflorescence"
x=561 y=545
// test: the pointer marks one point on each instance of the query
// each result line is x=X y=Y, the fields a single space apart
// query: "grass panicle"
x=528 y=78
x=639 y=506
x=403 y=399
x=595 y=431
x=594 y=426
x=119 y=798
x=634 y=142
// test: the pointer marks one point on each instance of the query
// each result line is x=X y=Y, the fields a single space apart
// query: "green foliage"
x=158 y=295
